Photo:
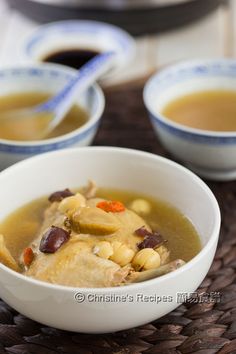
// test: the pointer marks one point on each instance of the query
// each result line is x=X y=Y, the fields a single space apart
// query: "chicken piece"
x=53 y=216
x=130 y=222
x=74 y=264
x=6 y=257
x=90 y=190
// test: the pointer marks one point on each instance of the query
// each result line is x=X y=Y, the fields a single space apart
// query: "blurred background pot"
x=136 y=16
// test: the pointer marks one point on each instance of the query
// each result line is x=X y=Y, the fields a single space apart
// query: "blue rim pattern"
x=193 y=137
x=90 y=27
x=37 y=149
x=35 y=72
x=182 y=73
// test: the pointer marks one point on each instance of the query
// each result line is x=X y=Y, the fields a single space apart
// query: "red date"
x=59 y=195
x=142 y=231
x=53 y=239
x=151 y=239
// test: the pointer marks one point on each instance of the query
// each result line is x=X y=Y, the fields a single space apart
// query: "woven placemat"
x=206 y=327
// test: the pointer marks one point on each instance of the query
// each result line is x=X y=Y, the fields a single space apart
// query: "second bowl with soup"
x=192 y=107
x=27 y=86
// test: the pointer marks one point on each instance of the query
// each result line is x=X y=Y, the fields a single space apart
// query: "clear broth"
x=206 y=110
x=11 y=130
x=183 y=239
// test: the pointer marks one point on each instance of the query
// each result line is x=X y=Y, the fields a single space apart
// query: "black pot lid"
x=113 y=4
x=136 y=16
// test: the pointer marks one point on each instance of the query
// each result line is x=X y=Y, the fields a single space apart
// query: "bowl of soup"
x=113 y=253
x=23 y=87
x=192 y=107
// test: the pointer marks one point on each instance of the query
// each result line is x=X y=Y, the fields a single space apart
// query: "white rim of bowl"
x=93 y=119
x=177 y=126
x=127 y=55
x=213 y=238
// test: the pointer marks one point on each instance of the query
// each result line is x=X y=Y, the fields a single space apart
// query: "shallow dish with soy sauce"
x=137 y=222
x=74 y=42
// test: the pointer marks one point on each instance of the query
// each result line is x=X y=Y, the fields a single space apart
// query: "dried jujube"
x=53 y=239
x=151 y=239
x=142 y=231
x=59 y=195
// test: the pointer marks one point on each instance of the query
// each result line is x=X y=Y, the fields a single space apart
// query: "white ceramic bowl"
x=80 y=34
x=108 y=309
x=48 y=78
x=210 y=154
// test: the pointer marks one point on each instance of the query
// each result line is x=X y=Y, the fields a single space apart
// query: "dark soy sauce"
x=75 y=58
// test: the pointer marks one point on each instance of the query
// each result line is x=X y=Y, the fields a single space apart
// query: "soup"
x=97 y=238
x=207 y=110
x=75 y=58
x=29 y=127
